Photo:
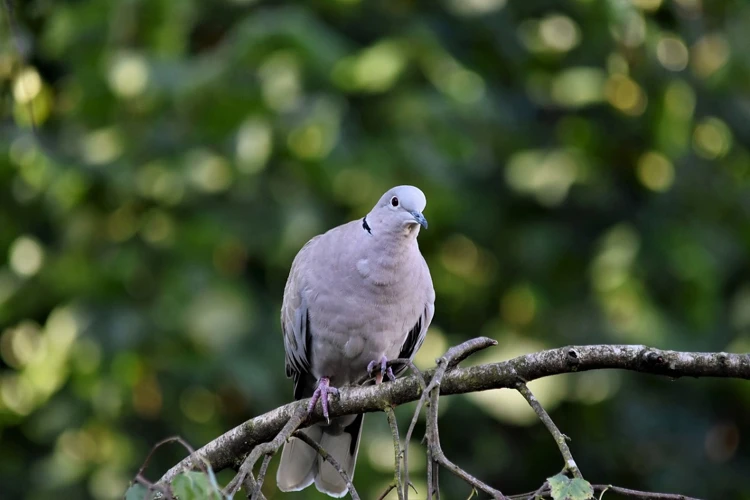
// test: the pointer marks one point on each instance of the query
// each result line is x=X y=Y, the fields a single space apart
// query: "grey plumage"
x=358 y=293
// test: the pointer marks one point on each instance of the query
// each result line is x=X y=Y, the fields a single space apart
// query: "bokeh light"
x=655 y=171
x=672 y=53
x=27 y=86
x=128 y=75
x=26 y=256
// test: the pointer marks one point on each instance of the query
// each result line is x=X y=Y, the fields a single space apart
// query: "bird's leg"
x=321 y=393
x=384 y=370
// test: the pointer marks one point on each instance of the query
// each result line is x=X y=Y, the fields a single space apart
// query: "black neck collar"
x=365 y=225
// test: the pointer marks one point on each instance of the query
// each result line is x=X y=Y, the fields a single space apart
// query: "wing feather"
x=295 y=326
x=415 y=337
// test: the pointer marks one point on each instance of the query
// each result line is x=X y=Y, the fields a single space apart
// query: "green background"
x=587 y=174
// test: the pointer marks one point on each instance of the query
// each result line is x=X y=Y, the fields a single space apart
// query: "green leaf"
x=137 y=492
x=564 y=488
x=193 y=485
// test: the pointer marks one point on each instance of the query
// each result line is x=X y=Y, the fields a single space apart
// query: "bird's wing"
x=417 y=334
x=295 y=325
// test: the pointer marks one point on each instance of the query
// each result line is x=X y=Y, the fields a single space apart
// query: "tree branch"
x=229 y=449
x=328 y=458
x=644 y=495
x=436 y=454
x=254 y=493
x=267 y=448
x=423 y=387
x=559 y=437
x=397 y=451
x=544 y=491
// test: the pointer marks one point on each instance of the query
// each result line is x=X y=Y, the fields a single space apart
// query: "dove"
x=357 y=296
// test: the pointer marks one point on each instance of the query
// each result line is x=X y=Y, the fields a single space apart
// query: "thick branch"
x=229 y=449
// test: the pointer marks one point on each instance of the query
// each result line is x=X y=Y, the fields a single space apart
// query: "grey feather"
x=298 y=462
x=343 y=446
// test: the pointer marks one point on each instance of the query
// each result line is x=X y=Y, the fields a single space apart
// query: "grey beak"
x=420 y=219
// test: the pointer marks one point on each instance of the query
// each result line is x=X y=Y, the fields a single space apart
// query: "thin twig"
x=329 y=458
x=387 y=490
x=559 y=437
x=173 y=439
x=544 y=491
x=430 y=470
x=391 y=487
x=458 y=353
x=407 y=440
x=404 y=487
x=450 y=360
x=154 y=487
x=397 y=451
x=264 y=449
x=544 y=485
x=433 y=440
x=436 y=479
x=249 y=484
x=255 y=492
x=641 y=494
x=410 y=430
x=164 y=489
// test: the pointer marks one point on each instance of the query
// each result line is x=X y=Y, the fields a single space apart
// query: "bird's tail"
x=301 y=465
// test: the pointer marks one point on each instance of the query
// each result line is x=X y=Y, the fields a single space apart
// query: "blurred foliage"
x=587 y=171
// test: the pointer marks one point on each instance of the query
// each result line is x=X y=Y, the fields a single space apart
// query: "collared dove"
x=356 y=296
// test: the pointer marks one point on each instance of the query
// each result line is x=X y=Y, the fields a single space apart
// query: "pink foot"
x=322 y=392
x=384 y=370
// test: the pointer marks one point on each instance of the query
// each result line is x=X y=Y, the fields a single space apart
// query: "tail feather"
x=343 y=446
x=299 y=462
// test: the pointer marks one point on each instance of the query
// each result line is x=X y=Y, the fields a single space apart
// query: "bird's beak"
x=419 y=218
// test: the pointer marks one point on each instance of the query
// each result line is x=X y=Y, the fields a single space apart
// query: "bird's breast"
x=361 y=311
x=355 y=330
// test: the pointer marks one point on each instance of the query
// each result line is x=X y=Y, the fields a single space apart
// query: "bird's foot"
x=321 y=393
x=384 y=370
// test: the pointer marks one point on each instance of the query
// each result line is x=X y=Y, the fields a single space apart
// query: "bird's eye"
x=394 y=201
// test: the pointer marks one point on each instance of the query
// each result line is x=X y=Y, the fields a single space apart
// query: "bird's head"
x=399 y=210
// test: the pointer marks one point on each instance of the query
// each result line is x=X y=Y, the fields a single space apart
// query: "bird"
x=356 y=296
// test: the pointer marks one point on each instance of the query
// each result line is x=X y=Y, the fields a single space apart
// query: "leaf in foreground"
x=137 y=492
x=564 y=488
x=194 y=485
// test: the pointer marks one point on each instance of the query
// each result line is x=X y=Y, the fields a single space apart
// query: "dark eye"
x=394 y=201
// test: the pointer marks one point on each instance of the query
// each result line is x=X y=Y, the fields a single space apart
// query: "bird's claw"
x=321 y=393
x=384 y=370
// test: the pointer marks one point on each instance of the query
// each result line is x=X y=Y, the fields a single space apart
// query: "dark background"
x=588 y=181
